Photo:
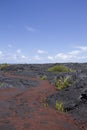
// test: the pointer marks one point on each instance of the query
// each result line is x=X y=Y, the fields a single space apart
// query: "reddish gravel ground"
x=24 y=109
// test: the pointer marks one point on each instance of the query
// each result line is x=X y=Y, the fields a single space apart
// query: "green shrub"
x=2 y=84
x=44 y=77
x=59 y=106
x=59 y=68
x=63 y=83
x=3 y=66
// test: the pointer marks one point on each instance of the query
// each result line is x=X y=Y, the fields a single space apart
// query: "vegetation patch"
x=43 y=100
x=59 y=106
x=44 y=77
x=46 y=105
x=59 y=68
x=63 y=83
x=2 y=84
x=3 y=66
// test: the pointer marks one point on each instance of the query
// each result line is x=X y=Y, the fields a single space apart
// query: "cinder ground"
x=23 y=103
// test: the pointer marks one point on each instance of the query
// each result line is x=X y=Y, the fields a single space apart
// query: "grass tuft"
x=63 y=83
x=59 y=106
x=44 y=77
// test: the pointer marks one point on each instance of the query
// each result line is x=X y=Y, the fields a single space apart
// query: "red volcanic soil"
x=25 y=109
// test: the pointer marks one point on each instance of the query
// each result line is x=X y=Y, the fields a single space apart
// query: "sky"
x=43 y=31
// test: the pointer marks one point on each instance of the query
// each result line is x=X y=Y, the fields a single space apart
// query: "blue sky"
x=43 y=31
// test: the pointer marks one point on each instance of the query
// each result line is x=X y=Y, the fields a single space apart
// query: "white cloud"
x=79 y=54
x=82 y=48
x=50 y=58
x=24 y=57
x=69 y=56
x=19 y=51
x=0 y=52
x=62 y=56
x=41 y=51
x=75 y=52
x=30 y=29
x=14 y=56
x=37 y=57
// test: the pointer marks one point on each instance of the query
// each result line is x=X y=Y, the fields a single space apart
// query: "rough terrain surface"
x=24 y=97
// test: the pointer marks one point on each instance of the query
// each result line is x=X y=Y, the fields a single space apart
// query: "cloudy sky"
x=42 y=31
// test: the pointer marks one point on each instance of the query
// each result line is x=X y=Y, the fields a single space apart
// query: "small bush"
x=63 y=83
x=59 y=106
x=3 y=66
x=2 y=84
x=44 y=77
x=59 y=68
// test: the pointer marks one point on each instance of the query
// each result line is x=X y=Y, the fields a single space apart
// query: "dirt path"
x=25 y=109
